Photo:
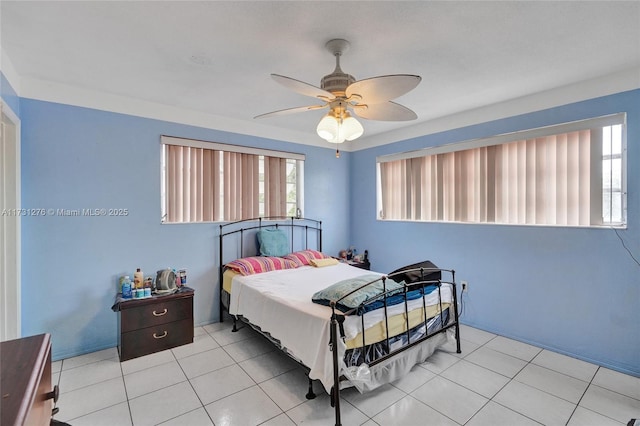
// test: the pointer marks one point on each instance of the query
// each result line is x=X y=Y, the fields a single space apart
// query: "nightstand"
x=154 y=324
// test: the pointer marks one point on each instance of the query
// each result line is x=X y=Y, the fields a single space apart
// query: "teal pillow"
x=273 y=242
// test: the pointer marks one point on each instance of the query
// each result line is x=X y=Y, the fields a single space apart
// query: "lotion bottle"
x=138 y=278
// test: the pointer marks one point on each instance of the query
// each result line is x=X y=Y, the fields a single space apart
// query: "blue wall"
x=572 y=290
x=79 y=158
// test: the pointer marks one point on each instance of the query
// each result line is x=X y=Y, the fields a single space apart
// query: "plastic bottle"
x=126 y=288
x=138 y=278
x=147 y=288
x=177 y=275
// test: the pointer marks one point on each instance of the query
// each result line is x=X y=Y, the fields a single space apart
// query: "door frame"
x=10 y=231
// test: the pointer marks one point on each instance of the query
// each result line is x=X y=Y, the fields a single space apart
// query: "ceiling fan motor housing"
x=337 y=82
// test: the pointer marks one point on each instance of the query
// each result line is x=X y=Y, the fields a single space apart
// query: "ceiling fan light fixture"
x=337 y=128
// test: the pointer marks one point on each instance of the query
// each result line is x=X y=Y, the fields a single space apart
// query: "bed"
x=345 y=325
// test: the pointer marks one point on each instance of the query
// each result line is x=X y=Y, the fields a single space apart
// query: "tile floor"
x=238 y=379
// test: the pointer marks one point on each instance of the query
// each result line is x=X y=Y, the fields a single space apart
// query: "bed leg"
x=335 y=392
x=310 y=394
x=455 y=311
x=235 y=325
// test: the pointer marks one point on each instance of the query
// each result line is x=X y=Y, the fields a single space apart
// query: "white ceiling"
x=136 y=56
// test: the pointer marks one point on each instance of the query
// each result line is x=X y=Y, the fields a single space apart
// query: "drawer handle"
x=54 y=394
x=161 y=336
x=156 y=314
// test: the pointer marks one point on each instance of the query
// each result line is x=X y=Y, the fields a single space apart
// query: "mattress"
x=279 y=302
x=397 y=324
x=372 y=352
x=227 y=279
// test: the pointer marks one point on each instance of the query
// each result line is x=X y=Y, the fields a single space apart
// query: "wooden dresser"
x=154 y=324
x=25 y=383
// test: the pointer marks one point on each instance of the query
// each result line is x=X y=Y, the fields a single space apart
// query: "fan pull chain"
x=337 y=153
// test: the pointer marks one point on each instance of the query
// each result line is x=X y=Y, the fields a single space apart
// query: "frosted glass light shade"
x=334 y=130
x=328 y=128
x=351 y=128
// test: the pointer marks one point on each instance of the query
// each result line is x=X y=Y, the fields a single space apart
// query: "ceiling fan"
x=342 y=94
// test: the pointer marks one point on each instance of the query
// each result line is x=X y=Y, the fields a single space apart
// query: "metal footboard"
x=337 y=318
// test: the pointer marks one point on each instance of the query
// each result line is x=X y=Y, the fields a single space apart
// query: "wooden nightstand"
x=154 y=324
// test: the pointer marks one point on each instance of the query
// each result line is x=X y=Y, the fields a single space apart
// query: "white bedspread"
x=279 y=302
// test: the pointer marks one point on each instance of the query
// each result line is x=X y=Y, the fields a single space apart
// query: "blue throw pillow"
x=273 y=242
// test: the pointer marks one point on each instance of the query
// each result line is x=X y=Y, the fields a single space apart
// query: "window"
x=569 y=175
x=210 y=182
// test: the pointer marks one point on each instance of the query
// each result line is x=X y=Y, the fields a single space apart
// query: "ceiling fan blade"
x=387 y=111
x=302 y=87
x=384 y=88
x=291 y=111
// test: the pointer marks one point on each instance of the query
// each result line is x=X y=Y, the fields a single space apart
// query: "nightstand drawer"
x=152 y=314
x=156 y=338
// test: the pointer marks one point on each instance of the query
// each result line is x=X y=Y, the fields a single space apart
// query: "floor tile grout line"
x=137 y=371
x=545 y=392
x=145 y=369
x=488 y=399
x=576 y=404
x=511 y=408
x=126 y=394
x=439 y=374
x=106 y=407
x=511 y=379
x=437 y=411
x=90 y=384
x=255 y=383
x=613 y=391
x=585 y=392
x=557 y=372
x=266 y=380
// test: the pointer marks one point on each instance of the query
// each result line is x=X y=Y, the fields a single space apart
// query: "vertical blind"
x=275 y=186
x=216 y=185
x=554 y=179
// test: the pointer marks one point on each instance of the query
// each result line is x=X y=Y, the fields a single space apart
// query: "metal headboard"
x=302 y=232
